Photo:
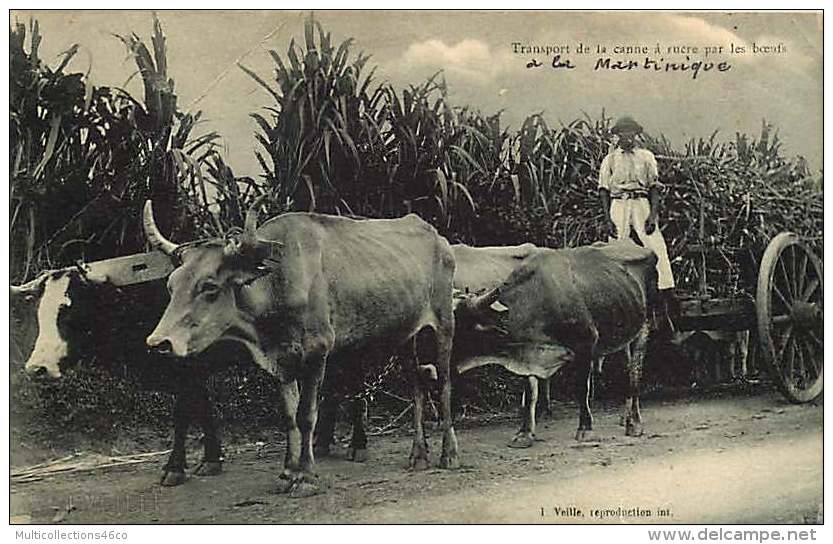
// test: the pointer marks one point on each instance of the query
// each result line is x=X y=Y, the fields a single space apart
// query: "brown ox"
x=303 y=288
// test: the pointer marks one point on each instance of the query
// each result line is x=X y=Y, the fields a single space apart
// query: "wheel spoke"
x=787 y=339
x=810 y=289
x=781 y=267
x=802 y=271
x=810 y=352
x=803 y=367
x=779 y=294
x=814 y=339
x=794 y=277
x=790 y=362
x=812 y=370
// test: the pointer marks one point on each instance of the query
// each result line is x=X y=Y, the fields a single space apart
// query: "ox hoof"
x=633 y=429
x=304 y=489
x=522 y=441
x=449 y=462
x=357 y=455
x=285 y=483
x=583 y=435
x=298 y=484
x=418 y=463
x=172 y=478
x=209 y=468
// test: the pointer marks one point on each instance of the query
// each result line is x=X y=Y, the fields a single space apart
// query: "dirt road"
x=740 y=459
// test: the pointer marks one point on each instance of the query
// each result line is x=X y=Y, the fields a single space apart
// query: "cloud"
x=701 y=32
x=472 y=59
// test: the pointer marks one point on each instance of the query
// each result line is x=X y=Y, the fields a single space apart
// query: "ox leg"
x=289 y=398
x=325 y=427
x=544 y=406
x=636 y=356
x=460 y=386
x=525 y=436
x=306 y=483
x=212 y=459
x=358 y=440
x=448 y=458
x=626 y=406
x=173 y=473
x=740 y=356
x=418 y=459
x=583 y=387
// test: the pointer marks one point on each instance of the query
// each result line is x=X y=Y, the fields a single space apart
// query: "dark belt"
x=628 y=195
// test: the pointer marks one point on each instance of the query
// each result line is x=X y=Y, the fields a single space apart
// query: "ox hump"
x=626 y=251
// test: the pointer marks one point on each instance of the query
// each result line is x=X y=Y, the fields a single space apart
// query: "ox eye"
x=209 y=288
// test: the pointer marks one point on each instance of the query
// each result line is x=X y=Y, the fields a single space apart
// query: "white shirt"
x=627 y=171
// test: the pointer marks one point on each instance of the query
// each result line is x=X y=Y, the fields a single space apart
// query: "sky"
x=483 y=68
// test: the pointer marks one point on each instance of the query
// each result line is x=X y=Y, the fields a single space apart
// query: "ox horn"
x=157 y=241
x=27 y=288
x=477 y=304
x=249 y=242
x=485 y=300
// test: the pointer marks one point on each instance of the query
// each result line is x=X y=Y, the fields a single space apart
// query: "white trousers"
x=632 y=213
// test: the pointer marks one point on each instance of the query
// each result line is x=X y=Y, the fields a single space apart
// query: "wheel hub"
x=805 y=315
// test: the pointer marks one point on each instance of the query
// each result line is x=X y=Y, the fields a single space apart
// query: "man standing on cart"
x=629 y=189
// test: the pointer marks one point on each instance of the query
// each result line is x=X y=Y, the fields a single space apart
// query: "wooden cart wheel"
x=790 y=319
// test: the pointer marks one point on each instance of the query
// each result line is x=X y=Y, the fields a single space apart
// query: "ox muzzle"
x=167 y=345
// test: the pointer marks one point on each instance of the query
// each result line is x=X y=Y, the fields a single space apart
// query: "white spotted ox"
x=304 y=288
x=84 y=317
x=51 y=291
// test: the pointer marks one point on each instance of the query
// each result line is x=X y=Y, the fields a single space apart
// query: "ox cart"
x=782 y=308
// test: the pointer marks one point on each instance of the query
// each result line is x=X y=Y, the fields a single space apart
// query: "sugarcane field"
x=415 y=267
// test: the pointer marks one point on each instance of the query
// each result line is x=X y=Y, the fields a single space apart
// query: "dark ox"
x=561 y=306
x=479 y=270
x=83 y=316
x=540 y=309
x=300 y=290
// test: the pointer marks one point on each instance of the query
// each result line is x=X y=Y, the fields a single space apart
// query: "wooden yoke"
x=131 y=269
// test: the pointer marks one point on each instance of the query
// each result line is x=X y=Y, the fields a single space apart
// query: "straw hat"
x=626 y=124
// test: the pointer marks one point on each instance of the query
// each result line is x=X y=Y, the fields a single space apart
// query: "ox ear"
x=499 y=307
x=266 y=267
x=90 y=276
x=28 y=291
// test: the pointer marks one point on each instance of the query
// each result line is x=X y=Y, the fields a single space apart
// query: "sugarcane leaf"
x=260 y=81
